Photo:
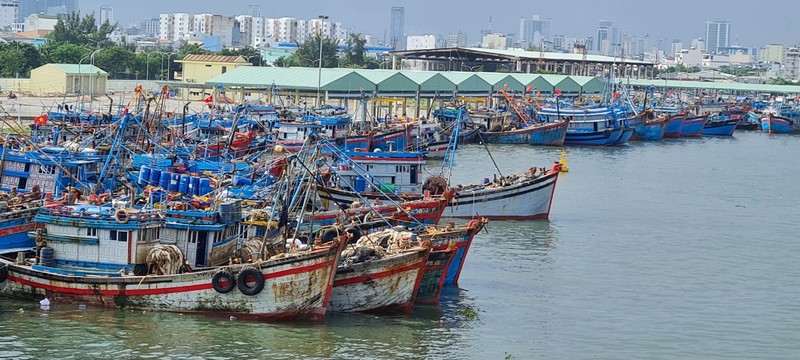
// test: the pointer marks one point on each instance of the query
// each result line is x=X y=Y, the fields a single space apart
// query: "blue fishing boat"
x=693 y=126
x=779 y=125
x=721 y=124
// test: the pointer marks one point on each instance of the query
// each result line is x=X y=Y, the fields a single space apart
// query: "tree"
x=72 y=29
x=250 y=54
x=66 y=53
x=17 y=59
x=191 y=49
x=353 y=54
x=116 y=61
x=307 y=54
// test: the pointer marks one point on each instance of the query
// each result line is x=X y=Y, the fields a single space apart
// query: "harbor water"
x=681 y=249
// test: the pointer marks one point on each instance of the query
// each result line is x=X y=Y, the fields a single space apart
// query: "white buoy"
x=44 y=304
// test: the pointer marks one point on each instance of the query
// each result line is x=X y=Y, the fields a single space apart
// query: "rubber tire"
x=355 y=232
x=219 y=275
x=3 y=273
x=329 y=235
x=241 y=281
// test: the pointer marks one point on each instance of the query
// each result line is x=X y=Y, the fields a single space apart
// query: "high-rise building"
x=106 y=14
x=772 y=53
x=533 y=31
x=149 y=27
x=397 y=31
x=46 y=7
x=456 y=40
x=609 y=37
x=9 y=10
x=718 y=34
x=676 y=47
x=559 y=42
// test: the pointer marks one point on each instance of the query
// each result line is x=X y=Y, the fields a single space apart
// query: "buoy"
x=563 y=160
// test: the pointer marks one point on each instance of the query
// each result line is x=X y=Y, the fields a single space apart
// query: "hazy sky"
x=672 y=19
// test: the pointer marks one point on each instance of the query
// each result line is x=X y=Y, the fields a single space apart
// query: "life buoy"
x=247 y=276
x=122 y=216
x=3 y=274
x=222 y=281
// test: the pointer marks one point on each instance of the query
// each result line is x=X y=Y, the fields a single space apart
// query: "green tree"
x=116 y=61
x=250 y=54
x=72 y=29
x=307 y=54
x=189 y=49
x=66 y=53
x=353 y=54
x=17 y=59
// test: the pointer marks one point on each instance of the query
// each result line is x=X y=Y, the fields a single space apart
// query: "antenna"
x=490 y=24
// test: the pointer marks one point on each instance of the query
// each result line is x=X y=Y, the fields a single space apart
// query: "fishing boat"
x=693 y=126
x=107 y=257
x=779 y=125
x=720 y=125
x=650 y=128
x=380 y=273
x=522 y=196
x=524 y=129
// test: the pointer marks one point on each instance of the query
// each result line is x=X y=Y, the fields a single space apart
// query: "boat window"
x=91 y=232
x=118 y=236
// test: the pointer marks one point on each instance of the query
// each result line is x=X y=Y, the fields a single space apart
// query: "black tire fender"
x=243 y=278
x=223 y=287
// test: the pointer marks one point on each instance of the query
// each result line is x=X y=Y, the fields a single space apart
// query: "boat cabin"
x=391 y=172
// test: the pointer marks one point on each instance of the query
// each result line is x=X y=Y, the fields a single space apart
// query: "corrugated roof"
x=213 y=58
x=75 y=69
x=409 y=81
x=535 y=55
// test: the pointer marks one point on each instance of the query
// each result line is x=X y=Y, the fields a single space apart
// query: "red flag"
x=40 y=120
x=209 y=99
x=529 y=88
x=558 y=91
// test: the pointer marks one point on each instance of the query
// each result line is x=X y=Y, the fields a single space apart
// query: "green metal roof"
x=75 y=69
x=389 y=80
x=468 y=82
x=502 y=81
x=430 y=81
x=410 y=81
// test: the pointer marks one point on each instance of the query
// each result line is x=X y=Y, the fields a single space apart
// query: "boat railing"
x=89 y=212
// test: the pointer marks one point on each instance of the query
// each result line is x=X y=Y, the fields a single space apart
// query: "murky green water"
x=682 y=249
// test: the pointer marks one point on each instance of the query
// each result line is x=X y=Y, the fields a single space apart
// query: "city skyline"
x=427 y=18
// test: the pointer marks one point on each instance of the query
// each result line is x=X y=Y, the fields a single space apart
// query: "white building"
x=176 y=26
x=106 y=14
x=419 y=42
x=699 y=44
x=9 y=10
x=40 y=22
x=149 y=27
x=689 y=57
x=533 y=31
x=676 y=47
x=790 y=65
x=497 y=41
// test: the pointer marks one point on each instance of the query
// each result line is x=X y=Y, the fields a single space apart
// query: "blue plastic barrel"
x=156 y=196
x=205 y=187
x=47 y=257
x=155 y=176
x=164 y=181
x=194 y=185
x=360 y=184
x=183 y=186
x=226 y=212
x=174 y=181
x=144 y=175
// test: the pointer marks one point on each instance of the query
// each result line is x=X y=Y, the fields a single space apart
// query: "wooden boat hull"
x=543 y=135
x=14 y=228
x=778 y=125
x=295 y=287
x=673 y=127
x=606 y=137
x=434 y=274
x=650 y=130
x=720 y=128
x=693 y=126
x=463 y=241
x=385 y=286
